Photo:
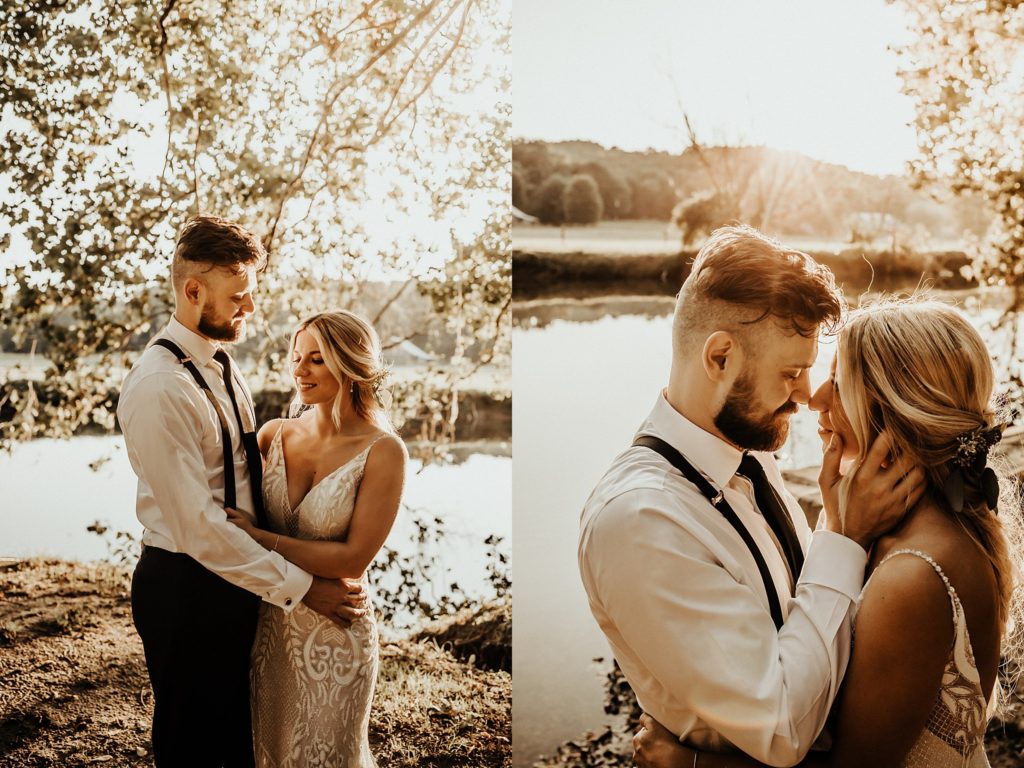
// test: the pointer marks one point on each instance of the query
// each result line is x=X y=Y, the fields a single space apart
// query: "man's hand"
x=655 y=746
x=874 y=497
x=340 y=600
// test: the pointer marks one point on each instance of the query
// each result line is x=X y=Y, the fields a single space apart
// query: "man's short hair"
x=208 y=242
x=741 y=277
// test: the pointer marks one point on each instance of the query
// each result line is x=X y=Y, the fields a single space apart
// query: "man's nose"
x=821 y=400
x=801 y=393
x=248 y=305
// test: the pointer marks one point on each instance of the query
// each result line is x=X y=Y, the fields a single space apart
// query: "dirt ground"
x=74 y=690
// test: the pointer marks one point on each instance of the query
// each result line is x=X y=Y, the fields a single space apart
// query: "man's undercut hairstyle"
x=741 y=277
x=210 y=242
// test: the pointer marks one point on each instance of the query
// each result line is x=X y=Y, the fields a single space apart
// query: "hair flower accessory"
x=973 y=447
x=970 y=460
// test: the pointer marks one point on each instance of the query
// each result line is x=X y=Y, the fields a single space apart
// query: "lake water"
x=585 y=374
x=54 y=489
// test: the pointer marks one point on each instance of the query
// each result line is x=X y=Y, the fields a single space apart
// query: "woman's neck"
x=350 y=421
x=925 y=520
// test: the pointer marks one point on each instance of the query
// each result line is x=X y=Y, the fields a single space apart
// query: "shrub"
x=548 y=205
x=582 y=201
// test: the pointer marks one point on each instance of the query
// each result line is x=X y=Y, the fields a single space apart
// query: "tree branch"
x=165 y=85
x=397 y=89
x=485 y=359
x=395 y=342
x=383 y=128
x=392 y=300
x=195 y=162
x=329 y=103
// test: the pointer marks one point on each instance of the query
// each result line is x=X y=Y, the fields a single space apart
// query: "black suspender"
x=717 y=499
x=230 y=493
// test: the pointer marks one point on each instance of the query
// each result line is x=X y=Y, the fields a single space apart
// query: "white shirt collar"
x=199 y=348
x=717 y=459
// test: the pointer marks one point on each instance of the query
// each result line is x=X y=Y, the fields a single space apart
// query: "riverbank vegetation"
x=577 y=273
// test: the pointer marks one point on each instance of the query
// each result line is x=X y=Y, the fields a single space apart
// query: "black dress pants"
x=197 y=631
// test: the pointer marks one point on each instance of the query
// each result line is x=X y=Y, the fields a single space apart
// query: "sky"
x=813 y=76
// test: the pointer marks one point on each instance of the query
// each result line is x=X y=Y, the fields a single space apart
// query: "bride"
x=332 y=485
x=940 y=605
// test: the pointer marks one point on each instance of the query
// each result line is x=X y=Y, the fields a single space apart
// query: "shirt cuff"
x=290 y=593
x=836 y=562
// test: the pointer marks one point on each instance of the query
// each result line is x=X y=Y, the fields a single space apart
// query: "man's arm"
x=376 y=506
x=715 y=649
x=886 y=701
x=708 y=638
x=163 y=429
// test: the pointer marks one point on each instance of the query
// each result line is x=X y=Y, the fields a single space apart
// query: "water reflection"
x=54 y=489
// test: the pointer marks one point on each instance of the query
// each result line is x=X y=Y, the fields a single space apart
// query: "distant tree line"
x=580 y=182
x=556 y=190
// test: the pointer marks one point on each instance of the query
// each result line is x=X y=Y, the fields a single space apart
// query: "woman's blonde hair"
x=351 y=351
x=918 y=370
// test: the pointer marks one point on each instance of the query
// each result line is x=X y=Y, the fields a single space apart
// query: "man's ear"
x=193 y=291
x=720 y=355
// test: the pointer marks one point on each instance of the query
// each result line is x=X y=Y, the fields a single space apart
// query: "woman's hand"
x=237 y=518
x=654 y=746
x=829 y=478
x=874 y=496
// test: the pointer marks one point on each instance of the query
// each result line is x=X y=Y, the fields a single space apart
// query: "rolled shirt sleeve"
x=693 y=635
x=162 y=418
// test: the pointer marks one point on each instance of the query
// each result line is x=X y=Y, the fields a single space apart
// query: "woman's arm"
x=904 y=633
x=377 y=502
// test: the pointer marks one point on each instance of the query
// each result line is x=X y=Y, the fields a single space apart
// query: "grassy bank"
x=538 y=275
x=74 y=690
x=481 y=416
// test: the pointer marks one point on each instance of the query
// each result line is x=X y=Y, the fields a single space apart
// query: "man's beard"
x=746 y=429
x=212 y=329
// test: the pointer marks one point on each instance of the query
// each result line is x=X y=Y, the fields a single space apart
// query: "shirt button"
x=287 y=601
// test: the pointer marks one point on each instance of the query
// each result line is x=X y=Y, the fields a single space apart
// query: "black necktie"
x=249 y=444
x=774 y=511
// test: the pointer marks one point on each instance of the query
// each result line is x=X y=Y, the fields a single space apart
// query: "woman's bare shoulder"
x=266 y=434
x=947 y=544
x=906 y=600
x=387 y=451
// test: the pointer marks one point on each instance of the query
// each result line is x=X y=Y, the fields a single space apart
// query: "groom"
x=728 y=617
x=189 y=426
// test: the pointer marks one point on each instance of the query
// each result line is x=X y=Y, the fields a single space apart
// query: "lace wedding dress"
x=954 y=736
x=312 y=681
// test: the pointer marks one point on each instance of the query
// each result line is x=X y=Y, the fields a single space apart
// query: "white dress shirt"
x=682 y=603
x=174 y=442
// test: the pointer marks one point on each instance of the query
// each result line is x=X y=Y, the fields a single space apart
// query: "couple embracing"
x=259 y=635
x=874 y=640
